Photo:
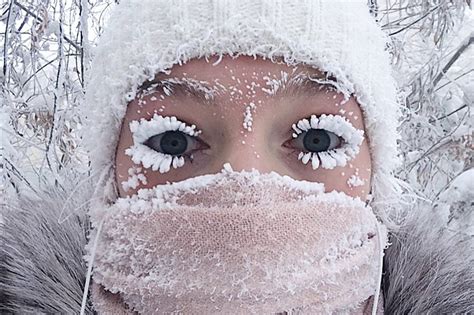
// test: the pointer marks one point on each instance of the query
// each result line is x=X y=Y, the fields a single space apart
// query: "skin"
x=224 y=138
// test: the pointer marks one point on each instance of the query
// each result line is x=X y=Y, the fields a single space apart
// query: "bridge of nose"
x=252 y=151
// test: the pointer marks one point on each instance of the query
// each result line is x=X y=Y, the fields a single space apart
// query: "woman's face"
x=244 y=110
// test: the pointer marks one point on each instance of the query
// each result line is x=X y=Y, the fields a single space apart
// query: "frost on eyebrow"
x=304 y=83
x=201 y=90
x=274 y=84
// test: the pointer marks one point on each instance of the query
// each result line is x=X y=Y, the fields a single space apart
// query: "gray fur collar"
x=428 y=269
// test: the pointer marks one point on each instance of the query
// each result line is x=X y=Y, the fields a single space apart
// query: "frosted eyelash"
x=144 y=129
x=341 y=127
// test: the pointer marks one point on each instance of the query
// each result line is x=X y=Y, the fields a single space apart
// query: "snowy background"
x=47 y=46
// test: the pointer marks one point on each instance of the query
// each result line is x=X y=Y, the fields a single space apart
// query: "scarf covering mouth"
x=235 y=242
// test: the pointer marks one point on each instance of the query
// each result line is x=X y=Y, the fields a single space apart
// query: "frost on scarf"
x=237 y=242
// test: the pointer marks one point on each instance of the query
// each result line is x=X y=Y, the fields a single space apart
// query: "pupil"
x=316 y=140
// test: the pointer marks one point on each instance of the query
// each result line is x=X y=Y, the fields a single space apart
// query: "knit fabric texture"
x=236 y=243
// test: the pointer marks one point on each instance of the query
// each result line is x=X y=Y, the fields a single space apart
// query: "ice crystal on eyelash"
x=315 y=161
x=144 y=129
x=135 y=177
x=327 y=161
x=339 y=126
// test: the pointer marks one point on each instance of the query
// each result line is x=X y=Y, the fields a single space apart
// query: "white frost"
x=338 y=125
x=248 y=119
x=275 y=84
x=144 y=129
x=355 y=181
x=134 y=179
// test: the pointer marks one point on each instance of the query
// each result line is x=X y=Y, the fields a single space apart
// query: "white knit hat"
x=145 y=37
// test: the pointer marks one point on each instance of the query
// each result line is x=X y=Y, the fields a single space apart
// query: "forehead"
x=238 y=79
x=214 y=67
x=226 y=86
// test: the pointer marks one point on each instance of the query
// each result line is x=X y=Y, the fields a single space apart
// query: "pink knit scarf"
x=236 y=243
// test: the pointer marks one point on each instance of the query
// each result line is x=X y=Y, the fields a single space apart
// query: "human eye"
x=327 y=141
x=163 y=142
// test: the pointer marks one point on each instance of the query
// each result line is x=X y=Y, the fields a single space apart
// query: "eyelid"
x=195 y=139
x=144 y=129
x=338 y=125
x=300 y=139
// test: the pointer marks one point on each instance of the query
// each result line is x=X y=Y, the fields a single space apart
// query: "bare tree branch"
x=453 y=112
x=76 y=46
x=453 y=59
x=5 y=43
x=58 y=82
x=416 y=21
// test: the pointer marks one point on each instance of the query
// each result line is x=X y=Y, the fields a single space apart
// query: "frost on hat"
x=146 y=37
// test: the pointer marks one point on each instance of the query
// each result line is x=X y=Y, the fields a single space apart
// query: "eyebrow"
x=200 y=91
x=302 y=84
x=305 y=84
